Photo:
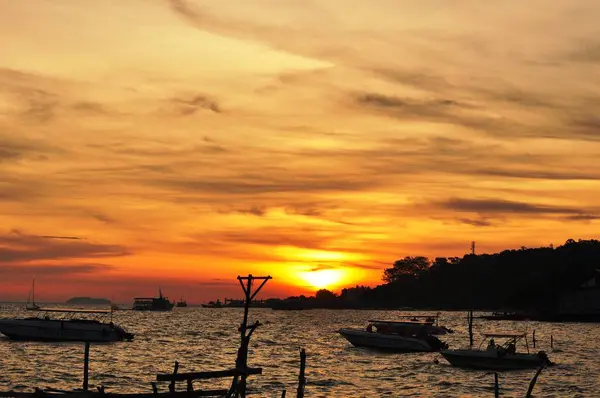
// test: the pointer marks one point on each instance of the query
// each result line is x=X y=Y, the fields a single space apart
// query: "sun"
x=324 y=278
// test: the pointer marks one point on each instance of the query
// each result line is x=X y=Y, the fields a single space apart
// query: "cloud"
x=475 y=222
x=53 y=269
x=189 y=105
x=504 y=206
x=18 y=247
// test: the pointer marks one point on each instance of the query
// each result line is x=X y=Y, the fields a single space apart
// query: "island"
x=87 y=300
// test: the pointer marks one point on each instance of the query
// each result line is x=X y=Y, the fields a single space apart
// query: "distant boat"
x=213 y=304
x=497 y=356
x=505 y=316
x=160 y=303
x=181 y=303
x=31 y=305
x=394 y=336
x=66 y=329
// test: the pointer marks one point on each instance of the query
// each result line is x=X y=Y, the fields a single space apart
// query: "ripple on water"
x=199 y=340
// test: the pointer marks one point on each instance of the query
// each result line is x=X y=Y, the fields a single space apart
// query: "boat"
x=68 y=327
x=497 y=356
x=505 y=316
x=394 y=336
x=181 y=303
x=213 y=304
x=31 y=305
x=239 y=373
x=160 y=303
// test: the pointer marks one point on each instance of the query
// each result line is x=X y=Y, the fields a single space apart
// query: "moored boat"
x=67 y=328
x=394 y=336
x=505 y=316
x=213 y=304
x=160 y=303
x=497 y=356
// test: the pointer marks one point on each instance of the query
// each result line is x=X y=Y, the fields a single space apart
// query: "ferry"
x=160 y=303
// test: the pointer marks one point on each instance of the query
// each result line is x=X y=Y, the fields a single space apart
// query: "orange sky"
x=185 y=142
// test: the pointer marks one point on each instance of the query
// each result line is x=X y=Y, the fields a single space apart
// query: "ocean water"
x=207 y=339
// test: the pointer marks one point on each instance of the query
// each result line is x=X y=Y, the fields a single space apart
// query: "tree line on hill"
x=526 y=279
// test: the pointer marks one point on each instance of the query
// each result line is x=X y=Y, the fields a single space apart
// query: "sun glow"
x=325 y=278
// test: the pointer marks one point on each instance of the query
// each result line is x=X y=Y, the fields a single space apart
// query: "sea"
x=203 y=339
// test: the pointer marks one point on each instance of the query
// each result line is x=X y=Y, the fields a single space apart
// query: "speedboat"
x=394 y=336
x=65 y=328
x=497 y=356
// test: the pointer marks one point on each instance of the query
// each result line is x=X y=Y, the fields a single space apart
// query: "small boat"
x=181 y=303
x=394 y=336
x=66 y=328
x=160 y=303
x=505 y=316
x=31 y=305
x=213 y=304
x=497 y=356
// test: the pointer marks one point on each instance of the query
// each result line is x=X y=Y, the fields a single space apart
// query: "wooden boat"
x=394 y=336
x=497 y=356
x=65 y=328
x=181 y=303
x=160 y=303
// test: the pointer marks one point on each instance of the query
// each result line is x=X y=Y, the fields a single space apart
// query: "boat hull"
x=388 y=342
x=35 y=329
x=484 y=360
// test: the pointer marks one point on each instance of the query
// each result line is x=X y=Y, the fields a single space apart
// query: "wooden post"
x=154 y=388
x=283 y=394
x=496 y=386
x=471 y=328
x=86 y=364
x=172 y=385
x=533 y=339
x=301 y=378
x=534 y=380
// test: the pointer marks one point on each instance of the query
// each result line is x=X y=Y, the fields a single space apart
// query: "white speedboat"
x=497 y=356
x=65 y=328
x=394 y=336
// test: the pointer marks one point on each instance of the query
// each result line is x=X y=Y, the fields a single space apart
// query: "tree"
x=408 y=267
x=325 y=295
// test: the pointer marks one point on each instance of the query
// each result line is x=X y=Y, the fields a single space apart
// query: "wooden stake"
x=471 y=328
x=534 y=380
x=496 y=386
x=86 y=363
x=175 y=369
x=301 y=378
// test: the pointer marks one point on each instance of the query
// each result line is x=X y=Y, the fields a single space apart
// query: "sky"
x=180 y=143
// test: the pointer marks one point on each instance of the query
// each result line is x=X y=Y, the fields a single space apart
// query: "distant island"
x=87 y=300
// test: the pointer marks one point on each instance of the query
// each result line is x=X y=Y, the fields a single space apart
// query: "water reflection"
x=207 y=339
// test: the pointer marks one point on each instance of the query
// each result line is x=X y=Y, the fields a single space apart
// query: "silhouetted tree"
x=325 y=295
x=407 y=267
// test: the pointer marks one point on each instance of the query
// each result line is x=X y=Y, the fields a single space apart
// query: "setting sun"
x=324 y=278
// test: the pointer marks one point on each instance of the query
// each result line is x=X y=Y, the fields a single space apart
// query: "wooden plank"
x=206 y=375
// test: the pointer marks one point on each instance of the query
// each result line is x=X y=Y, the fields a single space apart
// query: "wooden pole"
x=86 y=363
x=175 y=370
x=471 y=328
x=301 y=378
x=534 y=380
x=496 y=386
